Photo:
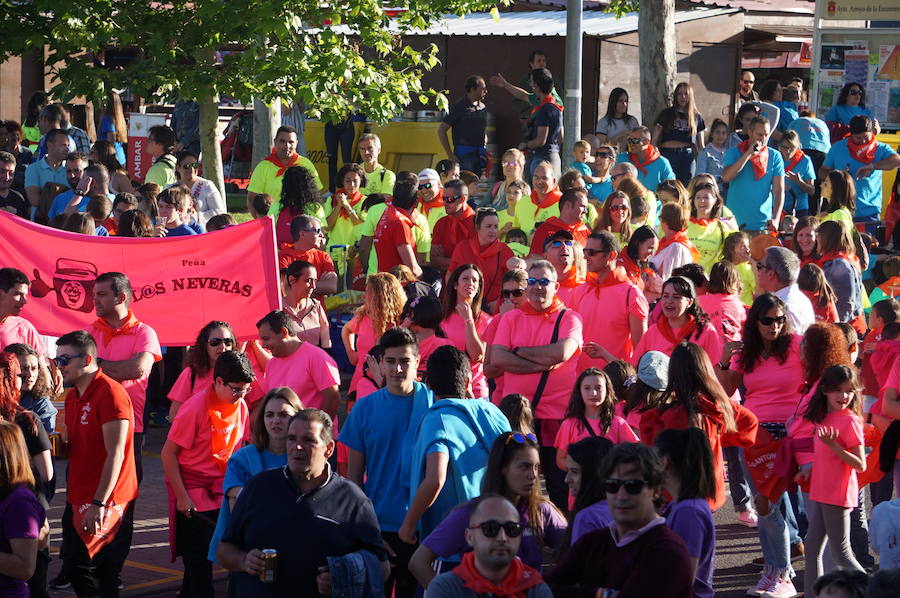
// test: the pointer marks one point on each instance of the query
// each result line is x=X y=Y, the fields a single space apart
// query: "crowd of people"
x=551 y=387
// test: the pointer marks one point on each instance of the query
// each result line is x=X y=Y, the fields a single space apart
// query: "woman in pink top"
x=381 y=309
x=299 y=303
x=682 y=319
x=423 y=316
x=722 y=302
x=512 y=295
x=839 y=453
x=591 y=412
x=464 y=322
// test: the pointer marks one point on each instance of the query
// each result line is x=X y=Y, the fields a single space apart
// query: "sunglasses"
x=592 y=252
x=612 y=485
x=745 y=82
x=635 y=141
x=191 y=165
x=558 y=244
x=520 y=438
x=768 y=321
x=451 y=198
x=513 y=163
x=615 y=176
x=761 y=266
x=424 y=186
x=491 y=528
x=318 y=231
x=603 y=155
x=514 y=293
x=215 y=342
x=63 y=360
x=620 y=206
x=544 y=282
x=855 y=92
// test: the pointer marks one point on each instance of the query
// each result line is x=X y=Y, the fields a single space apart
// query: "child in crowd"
x=648 y=389
x=839 y=454
x=711 y=158
x=737 y=251
x=261 y=204
x=515 y=191
x=675 y=249
x=886 y=311
x=811 y=281
x=372 y=377
x=220 y=221
x=890 y=288
x=423 y=316
x=842 y=584
x=517 y=240
x=622 y=375
x=517 y=409
x=582 y=152
x=591 y=412
x=99 y=208
x=173 y=206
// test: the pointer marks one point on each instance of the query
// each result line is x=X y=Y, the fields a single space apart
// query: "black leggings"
x=192 y=537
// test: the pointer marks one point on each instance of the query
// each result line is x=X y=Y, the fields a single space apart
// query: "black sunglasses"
x=855 y=92
x=612 y=485
x=451 y=198
x=215 y=342
x=603 y=155
x=191 y=165
x=424 y=186
x=63 y=360
x=747 y=82
x=592 y=252
x=514 y=293
x=768 y=320
x=491 y=528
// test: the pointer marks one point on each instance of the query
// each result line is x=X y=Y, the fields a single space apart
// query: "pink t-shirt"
x=361 y=326
x=139 y=339
x=605 y=312
x=426 y=348
x=653 y=340
x=518 y=329
x=308 y=371
x=772 y=388
x=571 y=431
x=633 y=418
x=455 y=328
x=488 y=337
x=191 y=432
x=567 y=294
x=182 y=390
x=833 y=481
x=893 y=380
x=14 y=329
x=727 y=314
x=799 y=428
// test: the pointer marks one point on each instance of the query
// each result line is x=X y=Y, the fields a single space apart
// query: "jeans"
x=794 y=512
x=342 y=134
x=740 y=490
x=682 y=161
x=473 y=161
x=831 y=522
x=98 y=576
x=536 y=158
x=774 y=537
x=192 y=537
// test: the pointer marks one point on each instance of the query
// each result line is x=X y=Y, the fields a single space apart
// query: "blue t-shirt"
x=551 y=117
x=107 y=126
x=377 y=427
x=657 y=171
x=749 y=199
x=39 y=173
x=692 y=520
x=868 y=189
x=789 y=112
x=62 y=200
x=196 y=227
x=599 y=191
x=843 y=113
x=182 y=230
x=812 y=132
x=796 y=198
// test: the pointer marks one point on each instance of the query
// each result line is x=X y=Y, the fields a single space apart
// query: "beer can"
x=270 y=564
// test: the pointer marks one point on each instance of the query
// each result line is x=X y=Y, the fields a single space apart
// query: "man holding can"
x=308 y=514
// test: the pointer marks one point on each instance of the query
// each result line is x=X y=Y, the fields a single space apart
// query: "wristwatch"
x=98 y=503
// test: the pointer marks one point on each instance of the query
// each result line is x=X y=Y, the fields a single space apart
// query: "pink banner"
x=179 y=284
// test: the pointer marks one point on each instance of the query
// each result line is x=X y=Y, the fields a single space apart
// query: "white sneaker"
x=748 y=518
x=765 y=584
x=783 y=588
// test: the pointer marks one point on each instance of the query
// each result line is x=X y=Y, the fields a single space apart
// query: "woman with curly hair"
x=382 y=308
x=299 y=195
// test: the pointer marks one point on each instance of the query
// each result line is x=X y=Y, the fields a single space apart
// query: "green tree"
x=335 y=56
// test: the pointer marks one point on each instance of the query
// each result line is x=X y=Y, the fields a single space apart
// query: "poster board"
x=870 y=57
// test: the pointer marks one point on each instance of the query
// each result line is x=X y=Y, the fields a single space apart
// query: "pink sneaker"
x=783 y=588
x=765 y=584
x=748 y=518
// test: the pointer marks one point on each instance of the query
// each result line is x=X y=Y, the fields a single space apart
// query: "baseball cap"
x=653 y=370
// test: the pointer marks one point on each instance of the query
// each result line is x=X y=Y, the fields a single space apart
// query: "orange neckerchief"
x=282 y=166
x=632 y=269
x=833 y=255
x=225 y=430
x=554 y=307
x=548 y=100
x=110 y=225
x=353 y=199
x=480 y=250
x=891 y=287
x=550 y=199
x=109 y=332
x=571 y=278
x=652 y=155
x=676 y=336
x=682 y=238
x=864 y=153
x=615 y=276
x=703 y=221
x=437 y=202
x=795 y=159
x=759 y=161
x=94 y=542
x=520 y=578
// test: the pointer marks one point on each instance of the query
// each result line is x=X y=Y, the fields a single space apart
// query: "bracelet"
x=98 y=503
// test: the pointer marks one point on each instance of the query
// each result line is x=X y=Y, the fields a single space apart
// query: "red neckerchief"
x=352 y=199
x=833 y=255
x=632 y=269
x=558 y=224
x=864 y=153
x=682 y=238
x=550 y=199
x=109 y=332
x=402 y=216
x=554 y=307
x=282 y=166
x=548 y=100
x=437 y=202
x=676 y=336
x=110 y=225
x=795 y=159
x=480 y=250
x=520 y=578
x=571 y=278
x=759 y=161
x=226 y=428
x=702 y=221
x=652 y=155
x=613 y=277
x=111 y=523
x=891 y=287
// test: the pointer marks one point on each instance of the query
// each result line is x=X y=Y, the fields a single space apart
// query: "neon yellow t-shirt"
x=380 y=180
x=264 y=180
x=748 y=282
x=709 y=240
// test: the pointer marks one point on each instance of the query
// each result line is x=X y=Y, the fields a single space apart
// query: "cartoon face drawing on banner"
x=73 y=283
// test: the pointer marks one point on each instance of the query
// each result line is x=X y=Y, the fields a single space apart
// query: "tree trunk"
x=209 y=142
x=266 y=120
x=656 y=40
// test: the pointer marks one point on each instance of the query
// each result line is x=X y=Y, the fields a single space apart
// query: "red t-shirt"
x=490 y=259
x=318 y=258
x=451 y=230
x=104 y=401
x=394 y=229
x=579 y=230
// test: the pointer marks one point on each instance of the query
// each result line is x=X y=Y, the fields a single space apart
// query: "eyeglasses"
x=520 y=438
x=424 y=186
x=746 y=82
x=238 y=392
x=592 y=252
x=511 y=163
x=215 y=342
x=318 y=231
x=506 y=294
x=855 y=92
x=491 y=528
x=768 y=320
x=558 y=244
x=191 y=165
x=62 y=361
x=620 y=206
x=451 y=198
x=635 y=141
x=544 y=282
x=612 y=485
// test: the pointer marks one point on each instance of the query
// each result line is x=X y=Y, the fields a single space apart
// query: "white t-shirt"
x=207 y=200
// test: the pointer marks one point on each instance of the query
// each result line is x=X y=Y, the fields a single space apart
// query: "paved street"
x=149 y=572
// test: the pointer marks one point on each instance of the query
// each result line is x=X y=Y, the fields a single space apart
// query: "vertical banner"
x=179 y=284
x=139 y=161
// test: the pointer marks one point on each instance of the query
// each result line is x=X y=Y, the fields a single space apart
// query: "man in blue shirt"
x=864 y=158
x=49 y=169
x=86 y=182
x=755 y=176
x=56 y=116
x=651 y=166
x=379 y=434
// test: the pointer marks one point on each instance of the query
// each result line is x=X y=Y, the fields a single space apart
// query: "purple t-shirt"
x=21 y=516
x=692 y=520
x=448 y=538
x=595 y=516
